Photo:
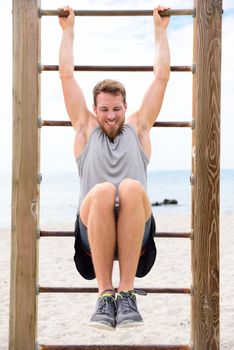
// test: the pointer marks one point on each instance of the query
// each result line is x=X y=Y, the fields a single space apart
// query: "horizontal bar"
x=95 y=290
x=173 y=124
x=113 y=347
x=82 y=68
x=173 y=235
x=157 y=124
x=158 y=234
x=179 y=12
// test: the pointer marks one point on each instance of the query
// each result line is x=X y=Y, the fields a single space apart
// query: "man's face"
x=110 y=110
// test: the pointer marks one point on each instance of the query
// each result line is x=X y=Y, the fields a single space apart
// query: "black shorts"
x=83 y=259
x=85 y=242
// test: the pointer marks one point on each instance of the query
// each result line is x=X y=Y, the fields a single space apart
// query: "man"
x=114 y=220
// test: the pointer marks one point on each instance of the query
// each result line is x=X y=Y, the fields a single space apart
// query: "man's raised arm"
x=153 y=97
x=73 y=95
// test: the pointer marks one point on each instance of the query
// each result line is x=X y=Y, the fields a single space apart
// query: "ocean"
x=60 y=192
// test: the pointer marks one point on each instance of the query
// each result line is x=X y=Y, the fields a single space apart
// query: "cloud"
x=107 y=4
x=228 y=5
x=122 y=41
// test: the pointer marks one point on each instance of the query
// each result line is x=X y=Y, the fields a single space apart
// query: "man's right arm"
x=73 y=95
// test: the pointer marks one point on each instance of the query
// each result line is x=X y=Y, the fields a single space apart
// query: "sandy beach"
x=63 y=318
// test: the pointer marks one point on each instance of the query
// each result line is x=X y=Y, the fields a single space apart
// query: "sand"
x=63 y=318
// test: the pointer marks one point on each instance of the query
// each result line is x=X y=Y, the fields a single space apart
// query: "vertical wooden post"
x=206 y=167
x=25 y=192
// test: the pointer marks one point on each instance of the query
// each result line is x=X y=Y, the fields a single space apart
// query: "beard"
x=113 y=132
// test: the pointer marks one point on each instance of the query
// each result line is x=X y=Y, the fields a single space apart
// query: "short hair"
x=110 y=86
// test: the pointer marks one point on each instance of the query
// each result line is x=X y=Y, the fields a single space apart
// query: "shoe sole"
x=130 y=324
x=103 y=326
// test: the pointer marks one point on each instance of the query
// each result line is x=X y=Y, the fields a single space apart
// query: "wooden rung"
x=158 y=234
x=179 y=12
x=113 y=347
x=156 y=124
x=50 y=68
x=95 y=290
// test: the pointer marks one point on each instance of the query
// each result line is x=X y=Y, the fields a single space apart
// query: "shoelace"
x=105 y=305
x=138 y=291
x=128 y=303
x=128 y=299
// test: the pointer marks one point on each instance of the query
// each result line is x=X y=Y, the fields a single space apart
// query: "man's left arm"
x=153 y=98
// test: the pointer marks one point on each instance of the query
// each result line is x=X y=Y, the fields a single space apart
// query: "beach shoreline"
x=63 y=318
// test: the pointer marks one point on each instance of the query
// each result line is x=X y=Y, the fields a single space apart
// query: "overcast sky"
x=111 y=41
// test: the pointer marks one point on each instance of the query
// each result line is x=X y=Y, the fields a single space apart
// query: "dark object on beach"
x=165 y=202
x=170 y=201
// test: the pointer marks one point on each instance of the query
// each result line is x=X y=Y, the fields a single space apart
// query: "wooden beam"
x=95 y=290
x=25 y=194
x=206 y=168
x=156 y=124
x=158 y=234
x=176 y=12
x=92 y=68
x=114 y=347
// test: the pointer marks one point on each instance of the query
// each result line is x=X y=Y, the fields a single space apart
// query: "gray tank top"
x=109 y=160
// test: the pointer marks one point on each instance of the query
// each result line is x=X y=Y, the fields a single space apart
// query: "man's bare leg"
x=134 y=211
x=97 y=214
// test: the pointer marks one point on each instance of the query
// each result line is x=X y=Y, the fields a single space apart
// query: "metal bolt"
x=193 y=124
x=192 y=180
x=40 y=67
x=38 y=233
x=37 y=289
x=39 y=178
x=39 y=122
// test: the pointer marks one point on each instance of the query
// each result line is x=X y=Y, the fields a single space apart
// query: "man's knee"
x=133 y=194
x=103 y=193
x=130 y=188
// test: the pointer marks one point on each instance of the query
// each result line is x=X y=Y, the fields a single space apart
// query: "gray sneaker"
x=104 y=315
x=127 y=312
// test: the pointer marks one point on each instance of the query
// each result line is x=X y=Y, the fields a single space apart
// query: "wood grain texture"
x=114 y=347
x=25 y=194
x=206 y=168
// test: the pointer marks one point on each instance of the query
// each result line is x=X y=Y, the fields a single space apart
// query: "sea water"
x=59 y=195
